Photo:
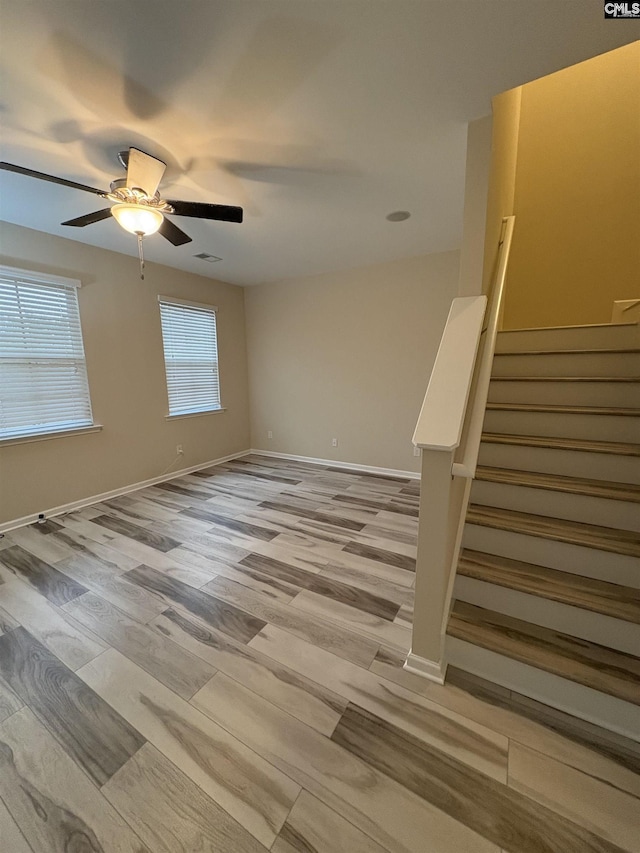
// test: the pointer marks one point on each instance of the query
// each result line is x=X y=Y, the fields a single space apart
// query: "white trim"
x=196 y=414
x=46 y=436
x=561 y=328
x=39 y=277
x=172 y=300
x=114 y=493
x=458 y=469
x=432 y=670
x=132 y=487
x=336 y=463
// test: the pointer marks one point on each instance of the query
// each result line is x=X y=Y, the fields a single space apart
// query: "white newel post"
x=431 y=577
x=443 y=505
x=448 y=431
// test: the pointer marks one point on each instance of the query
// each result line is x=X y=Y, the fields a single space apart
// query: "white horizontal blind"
x=43 y=377
x=190 y=357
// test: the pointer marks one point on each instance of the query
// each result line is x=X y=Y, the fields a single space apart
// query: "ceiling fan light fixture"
x=137 y=218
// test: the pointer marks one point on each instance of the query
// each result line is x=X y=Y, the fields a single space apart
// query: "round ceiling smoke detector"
x=398 y=215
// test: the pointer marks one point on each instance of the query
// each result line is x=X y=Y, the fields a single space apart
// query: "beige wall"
x=123 y=345
x=476 y=190
x=347 y=355
x=577 y=194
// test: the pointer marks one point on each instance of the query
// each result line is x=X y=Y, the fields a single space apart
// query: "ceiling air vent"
x=204 y=256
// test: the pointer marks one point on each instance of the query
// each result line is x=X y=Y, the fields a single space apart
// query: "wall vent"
x=204 y=256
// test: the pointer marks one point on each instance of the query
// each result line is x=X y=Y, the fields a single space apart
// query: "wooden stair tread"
x=560 y=483
x=610 y=671
x=610 y=599
x=564 y=410
x=566 y=351
x=565 y=379
x=573 y=658
x=626 y=542
x=559 y=443
x=612 y=745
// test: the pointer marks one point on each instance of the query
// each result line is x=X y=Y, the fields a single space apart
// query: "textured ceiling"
x=317 y=117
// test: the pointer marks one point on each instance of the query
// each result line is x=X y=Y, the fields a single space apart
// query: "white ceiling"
x=318 y=117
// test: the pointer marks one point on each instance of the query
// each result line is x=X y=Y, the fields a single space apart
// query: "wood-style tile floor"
x=215 y=664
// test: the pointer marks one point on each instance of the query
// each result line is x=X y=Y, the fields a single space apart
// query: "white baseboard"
x=114 y=493
x=132 y=487
x=431 y=669
x=335 y=463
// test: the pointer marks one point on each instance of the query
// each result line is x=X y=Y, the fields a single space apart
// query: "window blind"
x=43 y=376
x=190 y=357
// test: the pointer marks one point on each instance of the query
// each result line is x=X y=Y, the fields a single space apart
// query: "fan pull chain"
x=140 y=254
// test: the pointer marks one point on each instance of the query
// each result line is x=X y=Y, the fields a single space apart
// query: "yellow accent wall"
x=577 y=194
x=502 y=183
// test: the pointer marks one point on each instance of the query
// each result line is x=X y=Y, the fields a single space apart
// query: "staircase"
x=547 y=591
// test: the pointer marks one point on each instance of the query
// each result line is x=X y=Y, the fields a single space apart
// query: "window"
x=43 y=376
x=190 y=356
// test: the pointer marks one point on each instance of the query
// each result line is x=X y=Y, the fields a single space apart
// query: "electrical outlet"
x=417 y=451
x=334 y=442
x=179 y=449
x=270 y=434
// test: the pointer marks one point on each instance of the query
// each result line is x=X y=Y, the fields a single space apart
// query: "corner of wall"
x=502 y=179
x=476 y=191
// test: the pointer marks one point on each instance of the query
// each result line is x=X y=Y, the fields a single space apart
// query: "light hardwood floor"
x=215 y=664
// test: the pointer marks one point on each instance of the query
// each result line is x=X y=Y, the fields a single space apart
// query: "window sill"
x=47 y=436
x=195 y=414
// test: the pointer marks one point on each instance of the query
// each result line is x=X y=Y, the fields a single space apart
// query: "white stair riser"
x=619 y=428
x=554 y=690
x=573 y=337
x=571 y=463
x=584 y=702
x=567 y=364
x=624 y=515
x=590 y=562
x=549 y=393
x=595 y=627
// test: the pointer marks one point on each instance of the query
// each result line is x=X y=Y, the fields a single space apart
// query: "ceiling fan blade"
x=31 y=173
x=198 y=210
x=89 y=218
x=173 y=234
x=144 y=172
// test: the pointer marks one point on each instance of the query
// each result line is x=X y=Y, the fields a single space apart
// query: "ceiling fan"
x=137 y=205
